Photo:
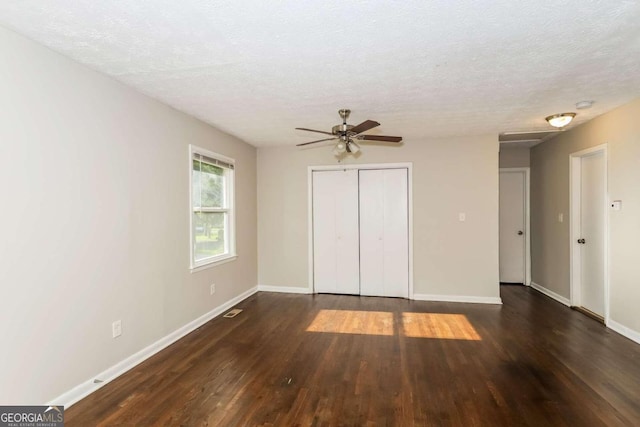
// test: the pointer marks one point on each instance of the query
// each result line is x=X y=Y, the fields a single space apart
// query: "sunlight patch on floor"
x=438 y=325
x=353 y=322
x=414 y=325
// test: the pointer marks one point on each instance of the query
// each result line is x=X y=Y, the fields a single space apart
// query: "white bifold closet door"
x=384 y=237
x=336 y=266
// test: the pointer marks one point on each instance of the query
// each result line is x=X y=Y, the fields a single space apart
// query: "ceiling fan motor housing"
x=341 y=129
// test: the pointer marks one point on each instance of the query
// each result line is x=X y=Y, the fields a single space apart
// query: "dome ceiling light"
x=560 y=120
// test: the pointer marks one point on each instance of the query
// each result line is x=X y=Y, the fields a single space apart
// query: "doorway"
x=360 y=220
x=515 y=264
x=589 y=231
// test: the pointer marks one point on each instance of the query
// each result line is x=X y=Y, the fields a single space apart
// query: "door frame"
x=575 y=178
x=527 y=220
x=311 y=169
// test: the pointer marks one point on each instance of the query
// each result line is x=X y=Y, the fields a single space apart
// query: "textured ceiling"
x=257 y=69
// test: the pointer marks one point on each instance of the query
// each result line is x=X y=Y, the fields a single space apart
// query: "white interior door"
x=512 y=227
x=591 y=244
x=384 y=233
x=336 y=267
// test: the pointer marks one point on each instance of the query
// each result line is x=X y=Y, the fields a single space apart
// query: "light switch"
x=560 y=217
x=616 y=205
x=462 y=217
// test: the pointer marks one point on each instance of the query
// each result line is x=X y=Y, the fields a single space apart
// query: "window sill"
x=219 y=261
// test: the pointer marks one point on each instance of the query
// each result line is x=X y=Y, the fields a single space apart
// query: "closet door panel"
x=384 y=238
x=371 y=232
x=335 y=232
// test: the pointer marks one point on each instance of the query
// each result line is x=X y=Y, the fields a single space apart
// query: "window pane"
x=209 y=230
x=209 y=185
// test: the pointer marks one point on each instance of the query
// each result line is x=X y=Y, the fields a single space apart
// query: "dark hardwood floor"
x=530 y=362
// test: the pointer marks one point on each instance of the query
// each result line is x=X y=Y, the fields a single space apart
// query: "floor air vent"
x=233 y=313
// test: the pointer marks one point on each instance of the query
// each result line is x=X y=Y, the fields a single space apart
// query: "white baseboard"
x=283 y=289
x=611 y=324
x=624 y=331
x=551 y=294
x=457 y=298
x=84 y=389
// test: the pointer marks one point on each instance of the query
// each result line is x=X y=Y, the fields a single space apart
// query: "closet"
x=361 y=232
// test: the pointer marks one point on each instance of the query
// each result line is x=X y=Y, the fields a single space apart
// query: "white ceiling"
x=257 y=69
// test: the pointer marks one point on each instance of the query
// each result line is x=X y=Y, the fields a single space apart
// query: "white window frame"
x=231 y=233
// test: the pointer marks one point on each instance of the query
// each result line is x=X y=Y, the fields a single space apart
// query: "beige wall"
x=94 y=222
x=620 y=129
x=514 y=157
x=449 y=176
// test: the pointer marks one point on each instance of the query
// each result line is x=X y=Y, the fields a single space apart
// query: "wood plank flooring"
x=327 y=360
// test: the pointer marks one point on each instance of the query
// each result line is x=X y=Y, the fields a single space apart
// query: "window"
x=212 y=211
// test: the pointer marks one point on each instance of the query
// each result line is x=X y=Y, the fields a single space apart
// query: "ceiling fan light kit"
x=346 y=133
x=352 y=147
x=339 y=149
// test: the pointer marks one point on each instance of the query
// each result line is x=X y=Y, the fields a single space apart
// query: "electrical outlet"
x=462 y=217
x=116 y=328
x=212 y=289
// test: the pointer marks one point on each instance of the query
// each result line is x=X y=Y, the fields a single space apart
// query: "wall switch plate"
x=560 y=217
x=462 y=217
x=616 y=205
x=212 y=289
x=116 y=328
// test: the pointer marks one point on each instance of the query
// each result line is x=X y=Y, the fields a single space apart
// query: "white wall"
x=449 y=176
x=94 y=222
x=620 y=129
x=514 y=157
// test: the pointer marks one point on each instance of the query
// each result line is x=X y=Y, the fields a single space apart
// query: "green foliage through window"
x=208 y=185
x=212 y=207
x=209 y=234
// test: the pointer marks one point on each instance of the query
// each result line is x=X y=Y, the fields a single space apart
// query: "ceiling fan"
x=346 y=134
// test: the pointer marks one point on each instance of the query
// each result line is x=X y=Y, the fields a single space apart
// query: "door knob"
x=520 y=233
x=582 y=241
